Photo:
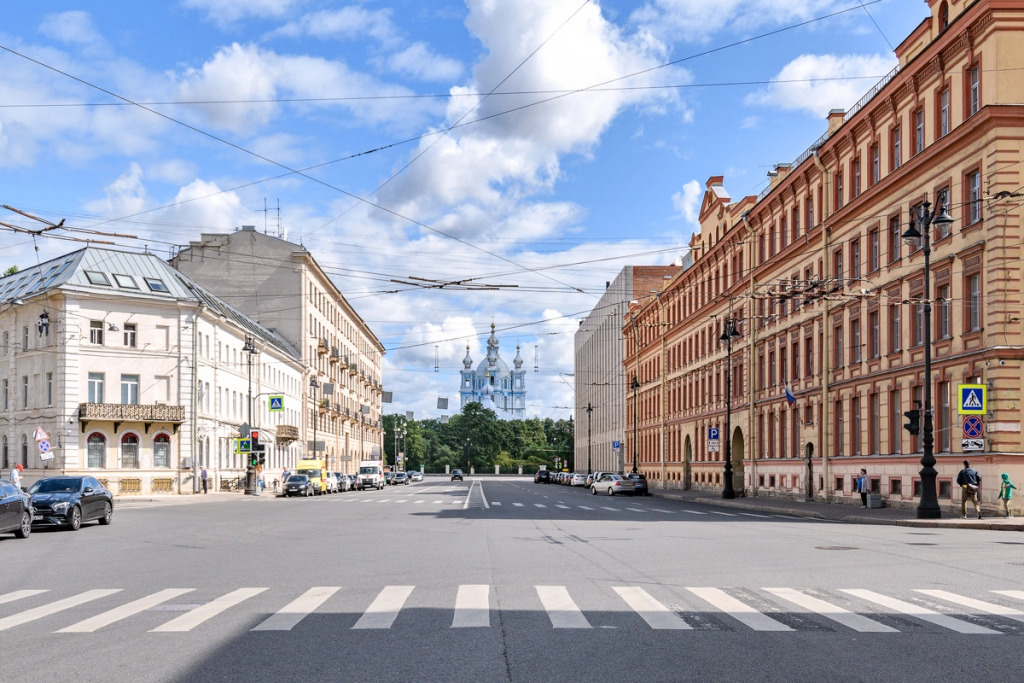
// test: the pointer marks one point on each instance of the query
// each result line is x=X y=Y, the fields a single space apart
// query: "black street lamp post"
x=728 y=333
x=590 y=409
x=314 y=385
x=928 y=508
x=634 y=386
x=250 y=471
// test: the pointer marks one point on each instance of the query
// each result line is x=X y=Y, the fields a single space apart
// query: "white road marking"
x=724 y=514
x=751 y=514
x=694 y=512
x=496 y=504
x=539 y=505
x=483 y=497
x=564 y=507
x=980 y=605
x=737 y=610
x=124 y=611
x=437 y=502
x=54 y=607
x=383 y=611
x=653 y=612
x=518 y=505
x=608 y=508
x=833 y=612
x=561 y=609
x=472 y=607
x=192 y=618
x=295 y=611
x=584 y=507
x=918 y=611
x=18 y=595
x=418 y=502
x=1012 y=594
x=635 y=509
x=668 y=512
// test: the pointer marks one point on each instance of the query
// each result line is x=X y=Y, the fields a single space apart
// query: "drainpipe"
x=752 y=337
x=826 y=404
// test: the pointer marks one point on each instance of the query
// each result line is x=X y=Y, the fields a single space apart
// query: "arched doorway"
x=687 y=463
x=809 y=458
x=737 y=461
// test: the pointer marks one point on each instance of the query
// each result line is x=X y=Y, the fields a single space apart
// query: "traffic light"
x=914 y=417
x=259 y=451
x=254 y=439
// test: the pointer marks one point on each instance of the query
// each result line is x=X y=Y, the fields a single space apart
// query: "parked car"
x=298 y=485
x=69 y=501
x=612 y=484
x=353 y=482
x=340 y=482
x=331 y=484
x=15 y=510
x=578 y=479
x=401 y=478
x=415 y=475
x=389 y=478
x=542 y=477
x=639 y=484
x=457 y=474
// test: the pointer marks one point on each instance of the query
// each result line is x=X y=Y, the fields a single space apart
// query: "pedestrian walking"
x=863 y=486
x=1006 y=488
x=205 y=478
x=970 y=482
x=16 y=475
x=261 y=482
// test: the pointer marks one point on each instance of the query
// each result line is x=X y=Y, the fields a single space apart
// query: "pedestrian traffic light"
x=914 y=417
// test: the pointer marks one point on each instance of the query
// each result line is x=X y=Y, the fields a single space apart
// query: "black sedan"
x=69 y=501
x=639 y=484
x=400 y=478
x=15 y=510
x=542 y=477
x=298 y=485
x=456 y=474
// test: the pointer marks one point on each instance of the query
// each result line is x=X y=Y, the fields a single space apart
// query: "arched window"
x=162 y=451
x=130 y=452
x=97 y=450
x=943 y=15
x=24 y=450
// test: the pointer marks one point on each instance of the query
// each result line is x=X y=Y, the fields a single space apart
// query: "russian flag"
x=790 y=398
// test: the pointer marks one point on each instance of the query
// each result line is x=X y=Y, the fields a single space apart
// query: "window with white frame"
x=95 y=387
x=96 y=332
x=129 y=389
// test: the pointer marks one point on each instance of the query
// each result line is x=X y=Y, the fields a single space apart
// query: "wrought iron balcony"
x=117 y=413
x=287 y=433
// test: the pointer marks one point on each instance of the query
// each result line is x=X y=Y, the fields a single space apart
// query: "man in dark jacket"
x=970 y=483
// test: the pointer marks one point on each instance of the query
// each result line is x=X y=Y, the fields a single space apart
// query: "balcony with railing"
x=335 y=355
x=322 y=347
x=148 y=414
x=287 y=433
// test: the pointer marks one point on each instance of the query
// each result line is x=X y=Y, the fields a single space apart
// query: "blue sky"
x=603 y=122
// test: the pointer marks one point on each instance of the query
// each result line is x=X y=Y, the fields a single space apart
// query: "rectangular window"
x=919 y=131
x=895 y=424
x=895 y=327
x=6 y=396
x=95 y=387
x=973 y=197
x=130 y=335
x=873 y=334
x=897 y=147
x=808 y=357
x=6 y=343
x=875 y=250
x=895 y=239
x=838 y=422
x=944 y=118
x=796 y=222
x=876 y=164
x=130 y=389
x=874 y=416
x=942 y=230
x=856 y=177
x=96 y=332
x=855 y=258
x=974 y=78
x=837 y=265
x=24 y=391
x=839 y=190
x=49 y=389
x=973 y=302
x=855 y=340
x=945 y=329
x=810 y=213
x=837 y=346
x=796 y=360
x=918 y=324
x=855 y=425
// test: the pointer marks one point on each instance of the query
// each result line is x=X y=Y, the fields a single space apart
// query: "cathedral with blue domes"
x=492 y=384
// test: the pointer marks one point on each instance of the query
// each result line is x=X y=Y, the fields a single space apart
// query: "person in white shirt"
x=16 y=475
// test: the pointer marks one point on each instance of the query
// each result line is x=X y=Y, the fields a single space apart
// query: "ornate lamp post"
x=728 y=333
x=634 y=386
x=928 y=508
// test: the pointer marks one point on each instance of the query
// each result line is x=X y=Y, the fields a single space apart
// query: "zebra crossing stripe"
x=540 y=505
x=195 y=617
x=54 y=607
x=472 y=607
x=518 y=505
x=650 y=610
x=295 y=611
x=980 y=605
x=562 y=611
x=564 y=507
x=124 y=611
x=608 y=508
x=922 y=613
x=496 y=503
x=737 y=610
x=634 y=509
x=584 y=507
x=1012 y=594
x=383 y=611
x=830 y=611
x=18 y=595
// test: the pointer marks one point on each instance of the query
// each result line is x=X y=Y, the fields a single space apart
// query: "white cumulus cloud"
x=818 y=83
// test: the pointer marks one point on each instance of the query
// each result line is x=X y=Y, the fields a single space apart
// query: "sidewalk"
x=174 y=498
x=839 y=512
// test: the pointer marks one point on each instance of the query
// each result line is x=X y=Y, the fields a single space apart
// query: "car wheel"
x=108 y=514
x=26 y=525
x=611 y=491
x=75 y=519
x=593 y=490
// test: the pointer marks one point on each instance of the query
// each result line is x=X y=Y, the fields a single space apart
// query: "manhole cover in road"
x=834 y=547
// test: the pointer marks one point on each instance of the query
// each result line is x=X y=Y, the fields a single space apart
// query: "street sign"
x=316 y=446
x=972 y=427
x=713 y=434
x=616 y=445
x=713 y=445
x=243 y=445
x=244 y=429
x=968 y=445
x=44 y=450
x=275 y=404
x=973 y=399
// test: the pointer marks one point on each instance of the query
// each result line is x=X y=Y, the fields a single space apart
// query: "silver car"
x=577 y=479
x=612 y=484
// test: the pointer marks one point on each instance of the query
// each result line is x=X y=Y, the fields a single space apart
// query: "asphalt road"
x=504 y=580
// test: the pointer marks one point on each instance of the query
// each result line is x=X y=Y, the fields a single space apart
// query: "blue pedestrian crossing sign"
x=276 y=404
x=973 y=399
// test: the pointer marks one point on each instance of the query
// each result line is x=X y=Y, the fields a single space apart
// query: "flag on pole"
x=790 y=398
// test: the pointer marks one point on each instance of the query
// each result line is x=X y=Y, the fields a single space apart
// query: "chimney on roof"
x=836 y=118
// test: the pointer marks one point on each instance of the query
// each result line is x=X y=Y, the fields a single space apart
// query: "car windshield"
x=62 y=485
x=312 y=474
x=297 y=479
x=456 y=471
x=367 y=470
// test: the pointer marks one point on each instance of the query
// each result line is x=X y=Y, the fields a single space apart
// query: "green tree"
x=11 y=271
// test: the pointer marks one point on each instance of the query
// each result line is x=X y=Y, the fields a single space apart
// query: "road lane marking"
x=437 y=502
x=383 y=611
x=751 y=514
x=667 y=512
x=496 y=504
x=980 y=605
x=562 y=611
x=295 y=611
x=54 y=607
x=584 y=507
x=694 y=512
x=564 y=507
x=650 y=610
x=635 y=509
x=1012 y=594
x=922 y=613
x=472 y=607
x=608 y=508
x=518 y=505
x=724 y=514
x=738 y=610
x=124 y=611
x=418 y=502
x=195 y=617
x=539 y=505
x=18 y=595
x=483 y=497
x=845 y=617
